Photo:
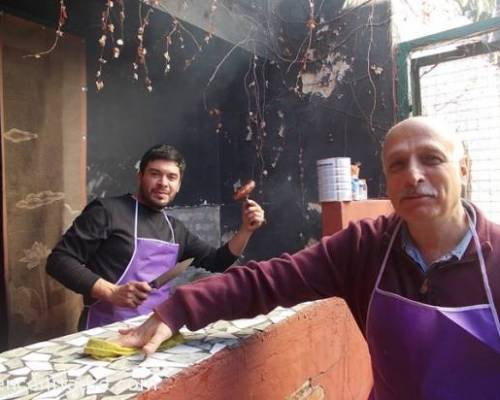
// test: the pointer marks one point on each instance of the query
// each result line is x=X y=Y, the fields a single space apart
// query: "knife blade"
x=172 y=273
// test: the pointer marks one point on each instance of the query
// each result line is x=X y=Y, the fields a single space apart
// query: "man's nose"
x=415 y=173
x=163 y=180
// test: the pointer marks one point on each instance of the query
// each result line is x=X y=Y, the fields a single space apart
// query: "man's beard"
x=148 y=199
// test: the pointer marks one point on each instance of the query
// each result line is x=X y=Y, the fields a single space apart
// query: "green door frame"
x=404 y=64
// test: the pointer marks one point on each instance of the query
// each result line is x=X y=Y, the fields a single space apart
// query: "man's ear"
x=464 y=167
x=465 y=164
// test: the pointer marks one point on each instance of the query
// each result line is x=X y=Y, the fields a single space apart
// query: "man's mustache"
x=419 y=191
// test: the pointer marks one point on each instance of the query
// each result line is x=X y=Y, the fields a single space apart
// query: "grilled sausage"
x=244 y=191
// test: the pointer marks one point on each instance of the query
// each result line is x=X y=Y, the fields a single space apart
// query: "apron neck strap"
x=170 y=226
x=135 y=218
x=386 y=257
x=482 y=264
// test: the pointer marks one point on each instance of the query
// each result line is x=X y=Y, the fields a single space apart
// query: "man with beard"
x=422 y=283
x=118 y=245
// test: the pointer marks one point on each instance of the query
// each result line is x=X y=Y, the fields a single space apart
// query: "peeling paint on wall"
x=314 y=207
x=324 y=81
x=377 y=70
x=94 y=186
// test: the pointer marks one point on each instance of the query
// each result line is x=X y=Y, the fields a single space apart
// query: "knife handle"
x=153 y=284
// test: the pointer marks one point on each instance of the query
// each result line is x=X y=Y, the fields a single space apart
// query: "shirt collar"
x=457 y=253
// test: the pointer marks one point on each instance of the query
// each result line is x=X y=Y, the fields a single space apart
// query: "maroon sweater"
x=346 y=265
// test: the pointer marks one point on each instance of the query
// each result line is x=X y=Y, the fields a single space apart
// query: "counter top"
x=58 y=369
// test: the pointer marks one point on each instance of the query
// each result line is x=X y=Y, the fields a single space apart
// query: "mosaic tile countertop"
x=58 y=369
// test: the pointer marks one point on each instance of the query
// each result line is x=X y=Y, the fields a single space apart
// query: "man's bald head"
x=426 y=125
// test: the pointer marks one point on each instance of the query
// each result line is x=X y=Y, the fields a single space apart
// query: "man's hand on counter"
x=147 y=336
x=131 y=294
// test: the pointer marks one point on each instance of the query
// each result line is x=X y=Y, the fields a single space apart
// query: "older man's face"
x=423 y=173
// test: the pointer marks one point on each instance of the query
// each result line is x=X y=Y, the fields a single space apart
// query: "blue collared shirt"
x=457 y=253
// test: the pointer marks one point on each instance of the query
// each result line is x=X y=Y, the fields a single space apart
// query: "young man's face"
x=159 y=183
x=423 y=173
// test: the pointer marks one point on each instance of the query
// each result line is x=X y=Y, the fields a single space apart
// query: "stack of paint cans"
x=334 y=179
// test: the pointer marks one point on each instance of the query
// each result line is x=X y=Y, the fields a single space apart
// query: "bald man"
x=423 y=283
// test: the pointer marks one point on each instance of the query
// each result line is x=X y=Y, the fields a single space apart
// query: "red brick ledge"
x=321 y=344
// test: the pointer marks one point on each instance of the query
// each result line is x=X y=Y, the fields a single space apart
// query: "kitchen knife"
x=172 y=273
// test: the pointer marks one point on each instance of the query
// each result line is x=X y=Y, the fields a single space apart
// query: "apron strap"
x=486 y=282
x=170 y=226
x=135 y=219
x=382 y=268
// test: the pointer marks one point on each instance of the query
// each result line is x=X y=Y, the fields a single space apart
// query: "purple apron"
x=151 y=257
x=421 y=351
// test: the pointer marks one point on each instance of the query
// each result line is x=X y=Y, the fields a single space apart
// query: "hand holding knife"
x=172 y=273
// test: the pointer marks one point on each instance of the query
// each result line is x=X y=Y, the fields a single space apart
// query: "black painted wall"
x=347 y=123
x=124 y=119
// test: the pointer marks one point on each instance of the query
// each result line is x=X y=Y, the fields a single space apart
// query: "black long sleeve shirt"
x=100 y=243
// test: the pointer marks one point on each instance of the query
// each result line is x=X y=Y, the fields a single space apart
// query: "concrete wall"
x=320 y=347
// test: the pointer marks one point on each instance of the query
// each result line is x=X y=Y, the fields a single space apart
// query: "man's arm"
x=242 y=292
x=252 y=217
x=68 y=261
x=345 y=264
x=217 y=260
x=256 y=288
